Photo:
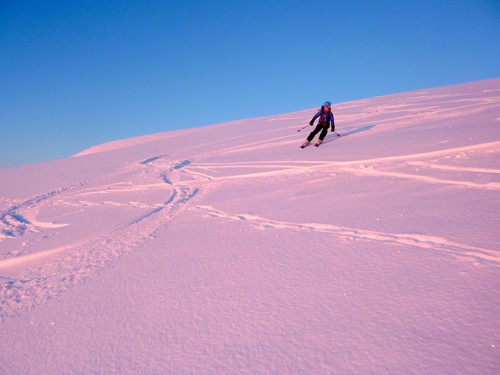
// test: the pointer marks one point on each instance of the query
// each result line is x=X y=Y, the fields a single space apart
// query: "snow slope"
x=228 y=249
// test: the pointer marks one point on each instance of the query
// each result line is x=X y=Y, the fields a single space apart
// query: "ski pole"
x=303 y=128
x=338 y=135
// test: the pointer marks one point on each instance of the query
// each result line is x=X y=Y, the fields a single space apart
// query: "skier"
x=325 y=119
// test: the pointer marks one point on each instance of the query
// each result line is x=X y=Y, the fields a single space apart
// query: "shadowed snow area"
x=228 y=249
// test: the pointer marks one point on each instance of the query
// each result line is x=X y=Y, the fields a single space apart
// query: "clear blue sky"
x=78 y=73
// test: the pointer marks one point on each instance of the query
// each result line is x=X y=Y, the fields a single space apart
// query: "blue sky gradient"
x=78 y=73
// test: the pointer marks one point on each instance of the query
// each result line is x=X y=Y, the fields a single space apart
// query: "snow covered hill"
x=228 y=249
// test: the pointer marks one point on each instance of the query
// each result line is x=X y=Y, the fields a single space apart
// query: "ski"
x=305 y=144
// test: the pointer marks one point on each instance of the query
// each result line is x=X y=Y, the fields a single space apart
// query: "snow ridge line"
x=415 y=240
x=16 y=261
x=46 y=274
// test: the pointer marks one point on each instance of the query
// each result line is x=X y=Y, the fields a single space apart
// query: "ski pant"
x=319 y=127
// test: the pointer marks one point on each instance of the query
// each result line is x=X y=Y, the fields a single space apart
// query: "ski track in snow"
x=31 y=278
x=67 y=265
x=415 y=240
x=13 y=224
x=42 y=275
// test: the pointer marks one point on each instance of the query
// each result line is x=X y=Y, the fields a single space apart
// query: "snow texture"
x=228 y=249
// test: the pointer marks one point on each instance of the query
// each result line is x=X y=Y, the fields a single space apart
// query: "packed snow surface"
x=228 y=249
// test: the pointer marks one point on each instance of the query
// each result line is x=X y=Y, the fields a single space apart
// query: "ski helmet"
x=328 y=104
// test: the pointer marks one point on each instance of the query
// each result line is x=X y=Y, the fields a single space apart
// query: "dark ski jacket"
x=325 y=119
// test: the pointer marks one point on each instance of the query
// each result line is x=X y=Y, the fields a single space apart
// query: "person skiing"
x=325 y=120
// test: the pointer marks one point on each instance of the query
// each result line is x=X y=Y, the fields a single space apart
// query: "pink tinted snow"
x=228 y=249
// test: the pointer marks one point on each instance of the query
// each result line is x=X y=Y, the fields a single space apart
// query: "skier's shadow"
x=355 y=131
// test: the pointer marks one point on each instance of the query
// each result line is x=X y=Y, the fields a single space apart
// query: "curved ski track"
x=28 y=277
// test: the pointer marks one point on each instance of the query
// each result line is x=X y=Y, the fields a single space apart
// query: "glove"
x=311 y=123
x=333 y=129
